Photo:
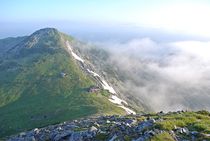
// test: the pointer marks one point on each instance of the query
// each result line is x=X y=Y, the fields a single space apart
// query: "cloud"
x=166 y=76
x=195 y=48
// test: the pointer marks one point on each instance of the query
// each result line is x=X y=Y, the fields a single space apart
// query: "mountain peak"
x=46 y=32
x=40 y=40
x=44 y=37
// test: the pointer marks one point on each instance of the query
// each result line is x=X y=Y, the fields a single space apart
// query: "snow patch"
x=107 y=87
x=129 y=111
x=74 y=54
x=116 y=100
x=77 y=57
x=93 y=73
x=103 y=82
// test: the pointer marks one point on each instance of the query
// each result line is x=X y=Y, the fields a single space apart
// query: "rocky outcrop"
x=108 y=128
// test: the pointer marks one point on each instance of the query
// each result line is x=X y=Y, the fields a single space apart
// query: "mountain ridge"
x=34 y=89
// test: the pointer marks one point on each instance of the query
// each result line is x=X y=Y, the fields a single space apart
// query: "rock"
x=93 y=129
x=179 y=130
x=145 y=124
x=118 y=123
x=36 y=131
x=23 y=134
x=127 y=124
x=71 y=126
x=112 y=128
x=32 y=138
x=16 y=139
x=182 y=130
x=206 y=135
x=185 y=130
x=140 y=139
x=113 y=118
x=76 y=121
x=108 y=122
x=131 y=121
x=151 y=132
x=171 y=132
x=113 y=138
x=152 y=120
x=76 y=136
x=44 y=137
x=157 y=131
x=59 y=129
x=62 y=135
x=63 y=74
x=52 y=135
x=194 y=133
x=96 y=124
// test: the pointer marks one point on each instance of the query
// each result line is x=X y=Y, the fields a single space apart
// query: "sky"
x=182 y=16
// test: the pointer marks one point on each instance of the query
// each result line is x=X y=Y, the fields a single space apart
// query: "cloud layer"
x=166 y=76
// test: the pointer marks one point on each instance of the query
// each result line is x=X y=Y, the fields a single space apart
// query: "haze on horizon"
x=23 y=17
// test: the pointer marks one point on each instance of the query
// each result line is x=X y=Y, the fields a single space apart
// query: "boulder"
x=36 y=131
x=76 y=136
x=107 y=121
x=23 y=134
x=185 y=130
x=113 y=138
x=62 y=135
x=145 y=124
x=182 y=130
x=93 y=129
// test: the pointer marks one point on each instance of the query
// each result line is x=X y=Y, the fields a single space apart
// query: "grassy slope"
x=5 y=44
x=198 y=121
x=194 y=121
x=33 y=94
x=162 y=137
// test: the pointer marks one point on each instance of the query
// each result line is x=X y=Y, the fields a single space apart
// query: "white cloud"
x=167 y=76
x=195 y=48
x=190 y=17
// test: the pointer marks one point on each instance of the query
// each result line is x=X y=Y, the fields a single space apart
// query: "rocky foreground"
x=173 y=126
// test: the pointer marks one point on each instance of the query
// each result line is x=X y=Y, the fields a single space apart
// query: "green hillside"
x=33 y=92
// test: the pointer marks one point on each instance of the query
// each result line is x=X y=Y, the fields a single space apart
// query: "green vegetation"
x=34 y=94
x=101 y=137
x=194 y=121
x=162 y=137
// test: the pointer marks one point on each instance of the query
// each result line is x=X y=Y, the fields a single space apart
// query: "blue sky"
x=81 y=10
x=184 y=16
